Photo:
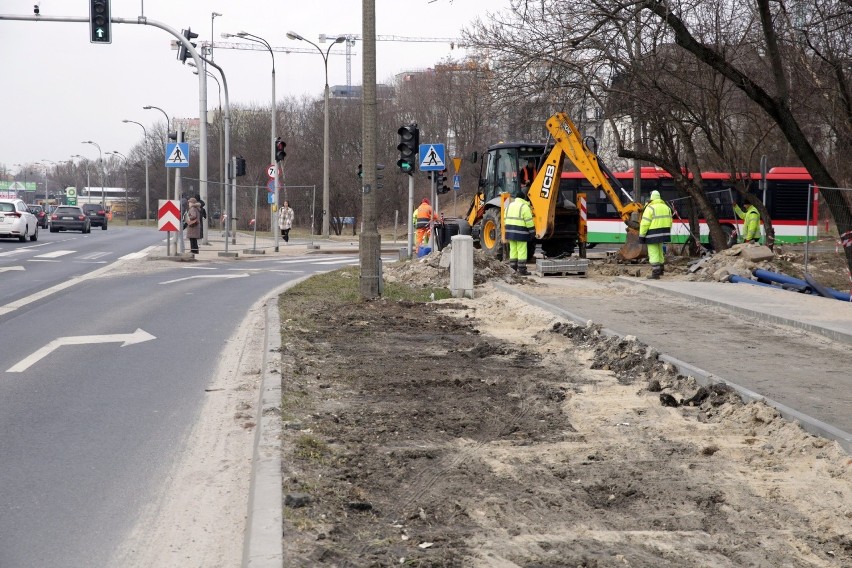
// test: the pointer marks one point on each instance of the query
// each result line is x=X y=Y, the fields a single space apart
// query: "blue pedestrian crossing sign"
x=432 y=158
x=457 y=182
x=177 y=155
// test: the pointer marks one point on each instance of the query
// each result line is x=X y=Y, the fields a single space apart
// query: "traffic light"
x=100 y=26
x=441 y=182
x=409 y=140
x=241 y=166
x=182 y=51
x=280 y=154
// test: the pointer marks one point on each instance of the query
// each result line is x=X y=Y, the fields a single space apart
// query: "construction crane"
x=254 y=47
x=352 y=38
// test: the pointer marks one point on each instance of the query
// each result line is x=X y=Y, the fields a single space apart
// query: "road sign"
x=168 y=215
x=270 y=187
x=457 y=182
x=432 y=158
x=272 y=171
x=177 y=155
x=270 y=198
x=71 y=196
x=457 y=162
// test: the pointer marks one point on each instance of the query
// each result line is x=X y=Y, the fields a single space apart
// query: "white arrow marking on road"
x=138 y=336
x=10 y=268
x=243 y=275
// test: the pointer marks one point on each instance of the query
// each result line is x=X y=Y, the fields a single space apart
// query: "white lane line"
x=54 y=254
x=312 y=259
x=94 y=255
x=11 y=268
x=243 y=275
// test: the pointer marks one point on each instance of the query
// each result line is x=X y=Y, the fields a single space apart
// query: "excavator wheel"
x=632 y=249
x=491 y=239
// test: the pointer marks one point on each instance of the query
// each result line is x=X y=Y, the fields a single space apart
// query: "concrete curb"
x=704 y=378
x=262 y=546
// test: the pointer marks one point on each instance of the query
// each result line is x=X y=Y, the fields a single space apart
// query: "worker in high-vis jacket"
x=520 y=230
x=423 y=218
x=655 y=229
x=751 y=223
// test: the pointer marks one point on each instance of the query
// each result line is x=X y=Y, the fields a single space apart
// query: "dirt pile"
x=434 y=270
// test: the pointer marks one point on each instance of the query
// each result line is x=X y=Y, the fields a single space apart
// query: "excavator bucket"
x=632 y=249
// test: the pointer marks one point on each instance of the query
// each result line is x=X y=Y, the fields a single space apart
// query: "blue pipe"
x=777 y=277
x=740 y=280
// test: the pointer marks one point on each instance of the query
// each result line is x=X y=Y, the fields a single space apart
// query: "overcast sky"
x=59 y=89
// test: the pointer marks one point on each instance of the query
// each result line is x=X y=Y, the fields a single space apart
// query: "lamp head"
x=147 y=107
x=214 y=14
x=124 y=120
x=242 y=34
x=294 y=35
x=340 y=39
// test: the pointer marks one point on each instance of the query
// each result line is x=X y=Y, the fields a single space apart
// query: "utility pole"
x=370 y=240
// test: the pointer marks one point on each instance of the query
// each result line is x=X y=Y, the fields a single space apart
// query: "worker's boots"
x=522 y=269
x=656 y=272
x=513 y=264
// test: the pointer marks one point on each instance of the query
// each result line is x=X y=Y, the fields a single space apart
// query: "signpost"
x=70 y=196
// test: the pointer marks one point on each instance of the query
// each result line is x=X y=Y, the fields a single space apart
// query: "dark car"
x=40 y=214
x=97 y=214
x=70 y=218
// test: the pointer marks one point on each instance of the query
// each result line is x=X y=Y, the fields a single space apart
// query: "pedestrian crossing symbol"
x=432 y=158
x=177 y=155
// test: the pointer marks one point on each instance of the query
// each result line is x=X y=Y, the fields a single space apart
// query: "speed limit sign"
x=272 y=170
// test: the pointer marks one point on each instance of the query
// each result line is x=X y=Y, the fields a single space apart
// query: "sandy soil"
x=199 y=518
x=484 y=432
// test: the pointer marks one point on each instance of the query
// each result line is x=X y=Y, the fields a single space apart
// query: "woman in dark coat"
x=193 y=224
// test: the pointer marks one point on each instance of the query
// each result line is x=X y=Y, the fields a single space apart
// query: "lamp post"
x=147 y=186
x=273 y=132
x=325 y=158
x=165 y=141
x=88 y=182
x=222 y=183
x=103 y=173
x=126 y=208
x=213 y=16
x=46 y=198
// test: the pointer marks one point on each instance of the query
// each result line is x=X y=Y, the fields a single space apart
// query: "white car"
x=16 y=221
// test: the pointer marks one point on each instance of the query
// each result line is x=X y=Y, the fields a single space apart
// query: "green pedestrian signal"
x=100 y=25
x=409 y=140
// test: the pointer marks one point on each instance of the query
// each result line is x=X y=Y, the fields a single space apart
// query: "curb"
x=704 y=378
x=262 y=546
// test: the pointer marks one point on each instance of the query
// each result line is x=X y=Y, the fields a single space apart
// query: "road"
x=89 y=425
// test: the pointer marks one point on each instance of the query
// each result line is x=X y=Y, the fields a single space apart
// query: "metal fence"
x=828 y=239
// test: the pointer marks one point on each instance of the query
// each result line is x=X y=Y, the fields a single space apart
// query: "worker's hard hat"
x=425 y=200
x=655 y=195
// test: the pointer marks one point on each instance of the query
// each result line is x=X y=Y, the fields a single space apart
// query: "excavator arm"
x=544 y=190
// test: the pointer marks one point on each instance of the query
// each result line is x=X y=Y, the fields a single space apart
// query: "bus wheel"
x=492 y=242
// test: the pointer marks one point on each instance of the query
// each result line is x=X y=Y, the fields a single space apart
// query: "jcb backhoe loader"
x=556 y=216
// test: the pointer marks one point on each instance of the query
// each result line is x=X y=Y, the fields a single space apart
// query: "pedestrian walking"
x=654 y=230
x=193 y=224
x=203 y=220
x=520 y=229
x=751 y=223
x=285 y=221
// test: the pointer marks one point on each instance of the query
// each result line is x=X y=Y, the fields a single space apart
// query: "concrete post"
x=461 y=266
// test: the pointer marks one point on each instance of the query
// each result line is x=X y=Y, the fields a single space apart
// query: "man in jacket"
x=520 y=229
x=654 y=230
x=751 y=223
x=423 y=218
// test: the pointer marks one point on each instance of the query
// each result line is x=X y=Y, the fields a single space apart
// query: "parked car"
x=40 y=213
x=97 y=214
x=70 y=218
x=16 y=221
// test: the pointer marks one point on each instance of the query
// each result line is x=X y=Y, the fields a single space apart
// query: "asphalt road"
x=89 y=427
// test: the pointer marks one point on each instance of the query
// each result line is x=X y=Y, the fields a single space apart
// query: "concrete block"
x=757 y=253
x=461 y=266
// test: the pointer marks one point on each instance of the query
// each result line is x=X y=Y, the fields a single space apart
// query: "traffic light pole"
x=202 y=83
x=410 y=216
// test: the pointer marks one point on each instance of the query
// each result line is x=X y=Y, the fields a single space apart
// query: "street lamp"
x=147 y=186
x=126 y=205
x=222 y=183
x=273 y=134
x=46 y=198
x=165 y=141
x=212 y=17
x=103 y=173
x=325 y=158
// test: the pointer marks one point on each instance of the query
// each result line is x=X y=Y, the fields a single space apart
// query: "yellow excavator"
x=559 y=226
